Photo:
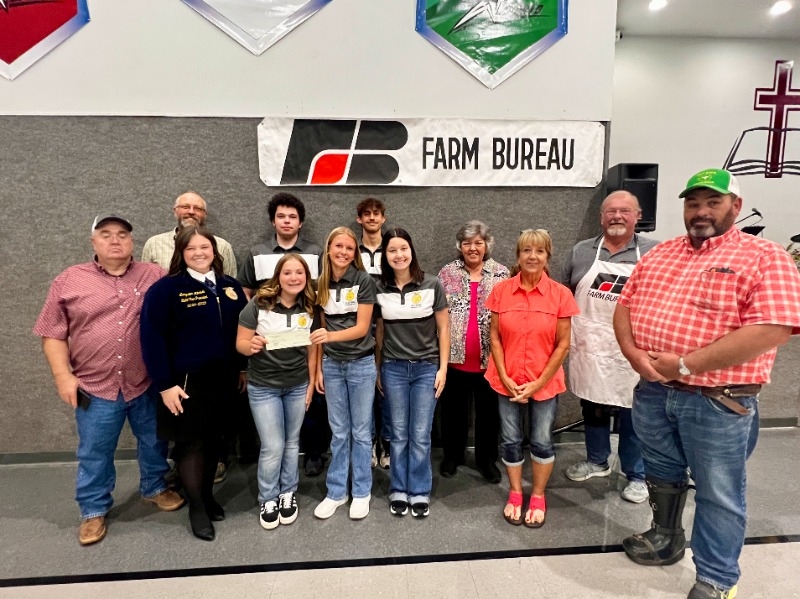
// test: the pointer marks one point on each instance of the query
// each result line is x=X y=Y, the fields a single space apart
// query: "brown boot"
x=92 y=530
x=167 y=501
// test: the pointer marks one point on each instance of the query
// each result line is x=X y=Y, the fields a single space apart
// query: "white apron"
x=597 y=369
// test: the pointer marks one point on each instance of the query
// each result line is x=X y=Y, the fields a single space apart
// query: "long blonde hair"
x=324 y=281
x=267 y=295
x=538 y=238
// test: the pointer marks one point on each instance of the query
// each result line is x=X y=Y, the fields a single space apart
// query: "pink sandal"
x=536 y=503
x=514 y=499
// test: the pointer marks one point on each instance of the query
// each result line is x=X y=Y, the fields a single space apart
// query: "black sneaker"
x=269 y=514
x=288 y=508
x=420 y=510
x=399 y=508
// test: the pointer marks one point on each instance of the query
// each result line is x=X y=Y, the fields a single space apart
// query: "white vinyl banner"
x=430 y=152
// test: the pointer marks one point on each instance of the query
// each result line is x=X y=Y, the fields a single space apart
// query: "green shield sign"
x=492 y=39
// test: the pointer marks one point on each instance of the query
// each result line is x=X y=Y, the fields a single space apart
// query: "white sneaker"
x=635 y=491
x=327 y=507
x=360 y=507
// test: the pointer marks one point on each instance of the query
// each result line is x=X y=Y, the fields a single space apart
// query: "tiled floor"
x=463 y=550
x=769 y=572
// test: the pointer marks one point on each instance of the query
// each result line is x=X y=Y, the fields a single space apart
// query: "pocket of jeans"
x=748 y=403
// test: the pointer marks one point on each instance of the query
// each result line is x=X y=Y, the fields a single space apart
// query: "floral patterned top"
x=455 y=280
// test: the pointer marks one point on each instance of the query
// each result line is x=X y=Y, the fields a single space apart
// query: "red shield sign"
x=29 y=29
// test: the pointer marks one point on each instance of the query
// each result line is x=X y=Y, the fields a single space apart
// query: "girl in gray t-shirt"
x=274 y=330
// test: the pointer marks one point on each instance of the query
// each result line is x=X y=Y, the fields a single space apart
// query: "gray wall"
x=57 y=173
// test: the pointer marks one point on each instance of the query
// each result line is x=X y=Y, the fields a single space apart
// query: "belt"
x=726 y=395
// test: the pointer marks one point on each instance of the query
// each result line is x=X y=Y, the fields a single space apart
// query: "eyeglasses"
x=622 y=211
x=187 y=207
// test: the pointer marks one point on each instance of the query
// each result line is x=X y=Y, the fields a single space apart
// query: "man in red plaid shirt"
x=700 y=319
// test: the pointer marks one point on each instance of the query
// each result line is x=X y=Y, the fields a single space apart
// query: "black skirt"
x=211 y=393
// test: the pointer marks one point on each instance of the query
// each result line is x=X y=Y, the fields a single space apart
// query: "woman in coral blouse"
x=530 y=334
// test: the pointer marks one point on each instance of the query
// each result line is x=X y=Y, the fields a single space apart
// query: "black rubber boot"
x=665 y=542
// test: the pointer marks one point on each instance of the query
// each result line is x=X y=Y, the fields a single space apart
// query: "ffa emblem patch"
x=302 y=321
x=29 y=29
x=492 y=39
x=349 y=296
x=229 y=291
x=416 y=298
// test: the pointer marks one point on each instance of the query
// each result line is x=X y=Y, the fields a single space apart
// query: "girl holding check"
x=280 y=381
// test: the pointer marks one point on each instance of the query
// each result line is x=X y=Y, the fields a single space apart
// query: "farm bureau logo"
x=352 y=152
x=607 y=287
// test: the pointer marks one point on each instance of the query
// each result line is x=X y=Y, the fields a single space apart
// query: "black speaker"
x=642 y=181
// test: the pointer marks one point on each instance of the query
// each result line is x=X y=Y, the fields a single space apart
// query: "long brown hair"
x=324 y=281
x=177 y=265
x=267 y=295
x=387 y=272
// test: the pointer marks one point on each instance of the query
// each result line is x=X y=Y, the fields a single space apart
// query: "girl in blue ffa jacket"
x=274 y=330
x=413 y=340
x=346 y=294
x=188 y=333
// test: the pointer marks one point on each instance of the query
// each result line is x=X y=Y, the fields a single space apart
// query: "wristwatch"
x=682 y=367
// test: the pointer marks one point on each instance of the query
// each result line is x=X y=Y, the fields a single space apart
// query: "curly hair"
x=267 y=295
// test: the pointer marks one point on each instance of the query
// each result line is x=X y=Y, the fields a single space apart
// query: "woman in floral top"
x=467 y=283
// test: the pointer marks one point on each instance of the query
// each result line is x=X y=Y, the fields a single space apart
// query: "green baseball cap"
x=712 y=178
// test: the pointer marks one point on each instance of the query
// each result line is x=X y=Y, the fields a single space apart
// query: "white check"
x=297 y=338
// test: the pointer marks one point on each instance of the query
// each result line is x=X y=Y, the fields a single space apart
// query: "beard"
x=616 y=230
x=699 y=228
x=703 y=229
x=191 y=221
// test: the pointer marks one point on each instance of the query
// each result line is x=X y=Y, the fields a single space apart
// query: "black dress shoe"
x=201 y=525
x=314 y=466
x=490 y=473
x=214 y=511
x=448 y=468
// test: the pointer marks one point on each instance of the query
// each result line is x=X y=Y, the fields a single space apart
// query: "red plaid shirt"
x=99 y=314
x=682 y=299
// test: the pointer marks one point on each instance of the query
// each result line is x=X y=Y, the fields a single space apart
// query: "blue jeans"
x=598 y=439
x=350 y=391
x=408 y=387
x=98 y=433
x=541 y=416
x=679 y=429
x=278 y=414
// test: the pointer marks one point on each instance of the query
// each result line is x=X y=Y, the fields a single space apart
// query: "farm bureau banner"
x=430 y=152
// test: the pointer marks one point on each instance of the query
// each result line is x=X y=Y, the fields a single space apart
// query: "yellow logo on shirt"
x=302 y=321
x=229 y=291
x=416 y=298
x=349 y=296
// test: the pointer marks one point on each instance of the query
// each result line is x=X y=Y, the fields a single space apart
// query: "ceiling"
x=708 y=18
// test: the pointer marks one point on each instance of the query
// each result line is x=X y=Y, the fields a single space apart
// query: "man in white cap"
x=700 y=319
x=89 y=327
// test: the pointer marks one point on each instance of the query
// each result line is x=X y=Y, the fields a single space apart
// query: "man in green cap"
x=700 y=319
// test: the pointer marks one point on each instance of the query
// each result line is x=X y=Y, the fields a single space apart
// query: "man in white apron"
x=599 y=374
